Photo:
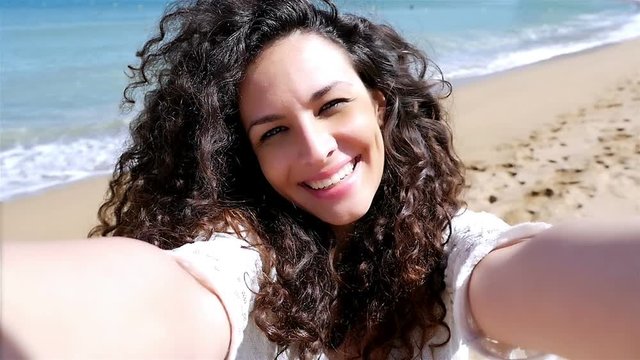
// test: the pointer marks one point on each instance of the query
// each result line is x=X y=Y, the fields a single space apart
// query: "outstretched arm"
x=573 y=290
x=116 y=298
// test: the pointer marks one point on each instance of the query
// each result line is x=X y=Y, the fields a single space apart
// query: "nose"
x=317 y=141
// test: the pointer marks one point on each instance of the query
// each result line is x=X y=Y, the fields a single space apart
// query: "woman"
x=300 y=165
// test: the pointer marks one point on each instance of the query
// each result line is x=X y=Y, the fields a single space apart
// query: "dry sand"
x=551 y=141
x=567 y=138
x=65 y=212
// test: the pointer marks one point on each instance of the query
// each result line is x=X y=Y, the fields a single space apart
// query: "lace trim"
x=477 y=234
x=228 y=267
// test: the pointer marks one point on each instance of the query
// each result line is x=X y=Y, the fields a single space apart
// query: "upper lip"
x=328 y=172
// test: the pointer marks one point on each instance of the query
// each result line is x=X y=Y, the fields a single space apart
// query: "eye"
x=333 y=104
x=271 y=132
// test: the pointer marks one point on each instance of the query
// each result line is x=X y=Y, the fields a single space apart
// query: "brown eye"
x=332 y=104
x=272 y=132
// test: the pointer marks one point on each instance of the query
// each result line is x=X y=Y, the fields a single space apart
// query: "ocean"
x=62 y=65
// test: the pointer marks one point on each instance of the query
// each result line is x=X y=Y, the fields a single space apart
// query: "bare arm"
x=115 y=298
x=573 y=290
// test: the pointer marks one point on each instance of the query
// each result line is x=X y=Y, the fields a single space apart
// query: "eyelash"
x=333 y=103
x=328 y=106
x=271 y=132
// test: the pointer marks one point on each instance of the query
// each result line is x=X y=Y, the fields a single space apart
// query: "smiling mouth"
x=336 y=178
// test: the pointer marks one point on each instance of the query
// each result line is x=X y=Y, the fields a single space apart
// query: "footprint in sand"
x=558 y=170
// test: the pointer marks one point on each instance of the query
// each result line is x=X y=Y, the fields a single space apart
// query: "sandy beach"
x=556 y=140
x=551 y=141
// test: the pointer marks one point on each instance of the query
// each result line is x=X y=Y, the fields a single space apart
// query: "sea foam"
x=32 y=168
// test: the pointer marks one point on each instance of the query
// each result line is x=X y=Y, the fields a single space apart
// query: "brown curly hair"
x=189 y=170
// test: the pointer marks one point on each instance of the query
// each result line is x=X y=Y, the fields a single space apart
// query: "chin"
x=343 y=219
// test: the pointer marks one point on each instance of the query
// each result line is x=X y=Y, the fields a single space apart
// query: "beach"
x=551 y=141
x=557 y=140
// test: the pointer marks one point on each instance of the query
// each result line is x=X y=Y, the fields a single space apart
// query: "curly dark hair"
x=190 y=170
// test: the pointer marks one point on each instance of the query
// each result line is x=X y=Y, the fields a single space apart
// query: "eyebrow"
x=315 y=96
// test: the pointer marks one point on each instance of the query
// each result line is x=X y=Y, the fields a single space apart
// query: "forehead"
x=296 y=66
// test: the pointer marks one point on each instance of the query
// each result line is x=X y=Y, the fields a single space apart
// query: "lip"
x=327 y=173
x=341 y=189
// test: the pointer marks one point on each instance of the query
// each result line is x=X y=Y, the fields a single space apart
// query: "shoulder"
x=224 y=263
x=467 y=217
x=220 y=249
x=470 y=230
x=229 y=267
x=469 y=226
x=472 y=235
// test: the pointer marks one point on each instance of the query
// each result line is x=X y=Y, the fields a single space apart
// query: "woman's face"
x=314 y=127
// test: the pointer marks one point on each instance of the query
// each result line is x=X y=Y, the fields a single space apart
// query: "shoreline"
x=457 y=84
x=486 y=136
x=600 y=47
x=43 y=190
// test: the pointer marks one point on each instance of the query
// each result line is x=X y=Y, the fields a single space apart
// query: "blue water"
x=62 y=65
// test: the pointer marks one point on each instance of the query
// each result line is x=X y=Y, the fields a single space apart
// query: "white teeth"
x=334 y=179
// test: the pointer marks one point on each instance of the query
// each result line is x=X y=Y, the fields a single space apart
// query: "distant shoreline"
x=59 y=127
x=492 y=116
x=456 y=82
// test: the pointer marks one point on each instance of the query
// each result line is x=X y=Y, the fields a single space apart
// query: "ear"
x=379 y=105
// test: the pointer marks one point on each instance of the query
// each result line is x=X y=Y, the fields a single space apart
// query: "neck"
x=342 y=232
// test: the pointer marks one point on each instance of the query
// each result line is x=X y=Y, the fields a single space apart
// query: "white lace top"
x=228 y=267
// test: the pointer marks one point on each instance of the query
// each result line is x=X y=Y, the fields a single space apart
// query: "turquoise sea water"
x=62 y=64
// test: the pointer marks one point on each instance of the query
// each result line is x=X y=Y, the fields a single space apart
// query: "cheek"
x=274 y=169
x=366 y=128
x=379 y=138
